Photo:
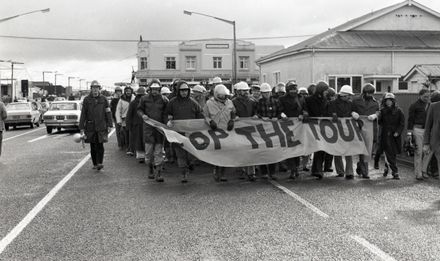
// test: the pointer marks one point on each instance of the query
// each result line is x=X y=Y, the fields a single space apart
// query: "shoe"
x=318 y=175
x=215 y=173
x=157 y=173
x=376 y=164
x=386 y=170
x=306 y=169
x=129 y=153
x=185 y=176
x=349 y=177
x=365 y=177
x=340 y=175
x=223 y=179
x=396 y=176
x=141 y=161
x=252 y=177
x=94 y=166
x=99 y=166
x=420 y=178
x=328 y=170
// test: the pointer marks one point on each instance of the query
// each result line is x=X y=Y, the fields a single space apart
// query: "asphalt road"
x=118 y=214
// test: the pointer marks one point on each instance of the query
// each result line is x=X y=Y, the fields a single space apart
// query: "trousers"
x=97 y=153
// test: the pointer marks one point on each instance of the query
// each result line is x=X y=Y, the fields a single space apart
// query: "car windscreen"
x=17 y=107
x=63 y=106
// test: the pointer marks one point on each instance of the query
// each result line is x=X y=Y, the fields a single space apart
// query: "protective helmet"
x=368 y=88
x=221 y=90
x=155 y=83
x=265 y=87
x=165 y=90
x=182 y=85
x=282 y=89
x=303 y=90
x=77 y=137
x=291 y=85
x=389 y=95
x=199 y=88
x=242 y=86
x=346 y=90
x=255 y=86
x=140 y=90
x=118 y=89
x=95 y=83
x=217 y=80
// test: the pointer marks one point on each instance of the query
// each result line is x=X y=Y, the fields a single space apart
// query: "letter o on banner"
x=327 y=123
x=199 y=140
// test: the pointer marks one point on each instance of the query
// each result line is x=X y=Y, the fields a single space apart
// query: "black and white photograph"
x=219 y=130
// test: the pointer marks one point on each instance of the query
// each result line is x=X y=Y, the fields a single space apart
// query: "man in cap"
x=95 y=123
x=367 y=105
x=113 y=104
x=343 y=107
x=135 y=125
x=153 y=105
x=182 y=107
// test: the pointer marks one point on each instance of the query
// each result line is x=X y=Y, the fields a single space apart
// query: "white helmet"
x=389 y=95
x=265 y=87
x=199 y=88
x=303 y=90
x=242 y=86
x=346 y=90
x=217 y=80
x=221 y=90
x=165 y=90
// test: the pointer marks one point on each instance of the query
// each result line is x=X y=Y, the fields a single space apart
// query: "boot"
x=376 y=164
x=396 y=175
x=386 y=170
x=222 y=175
x=185 y=173
x=150 y=172
x=157 y=173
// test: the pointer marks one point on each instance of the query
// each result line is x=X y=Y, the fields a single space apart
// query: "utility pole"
x=14 y=91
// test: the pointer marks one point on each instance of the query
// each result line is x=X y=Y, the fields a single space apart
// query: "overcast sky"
x=154 y=20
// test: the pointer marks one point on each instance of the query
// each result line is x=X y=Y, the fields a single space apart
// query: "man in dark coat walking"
x=95 y=123
x=135 y=125
x=431 y=138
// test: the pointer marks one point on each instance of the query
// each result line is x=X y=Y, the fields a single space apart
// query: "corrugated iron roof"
x=429 y=69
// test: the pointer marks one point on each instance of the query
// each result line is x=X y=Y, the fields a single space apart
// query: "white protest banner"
x=256 y=142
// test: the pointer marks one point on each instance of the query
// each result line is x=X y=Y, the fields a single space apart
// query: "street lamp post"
x=14 y=91
x=234 y=50
x=15 y=16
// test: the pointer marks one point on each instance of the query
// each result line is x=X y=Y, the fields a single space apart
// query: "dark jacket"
x=270 y=108
x=135 y=124
x=417 y=114
x=391 y=120
x=184 y=108
x=244 y=106
x=154 y=107
x=365 y=107
x=432 y=128
x=316 y=106
x=293 y=106
x=95 y=119
x=113 y=105
x=340 y=107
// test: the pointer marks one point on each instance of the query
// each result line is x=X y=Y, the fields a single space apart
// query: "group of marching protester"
x=221 y=109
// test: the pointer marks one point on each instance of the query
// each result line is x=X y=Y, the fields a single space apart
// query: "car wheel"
x=14 y=127
x=58 y=129
x=49 y=129
x=6 y=127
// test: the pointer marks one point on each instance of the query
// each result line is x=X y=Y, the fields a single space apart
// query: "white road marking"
x=300 y=199
x=39 y=138
x=13 y=137
x=377 y=251
x=33 y=213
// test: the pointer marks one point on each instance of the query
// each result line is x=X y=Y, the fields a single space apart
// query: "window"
x=190 y=62
x=244 y=62
x=170 y=63
x=337 y=82
x=277 y=77
x=144 y=63
x=217 y=62
x=403 y=85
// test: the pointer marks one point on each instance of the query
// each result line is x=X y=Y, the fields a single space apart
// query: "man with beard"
x=316 y=106
x=121 y=115
x=292 y=106
x=95 y=123
x=183 y=107
x=367 y=105
x=113 y=104
x=199 y=95
x=135 y=125
x=153 y=106
x=256 y=94
x=245 y=107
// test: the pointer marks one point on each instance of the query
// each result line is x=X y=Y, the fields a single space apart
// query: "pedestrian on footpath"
x=135 y=125
x=292 y=106
x=3 y=116
x=113 y=104
x=268 y=108
x=219 y=113
x=183 y=107
x=245 y=107
x=416 y=128
x=316 y=106
x=95 y=123
x=431 y=137
x=392 y=121
x=368 y=106
x=121 y=115
x=153 y=105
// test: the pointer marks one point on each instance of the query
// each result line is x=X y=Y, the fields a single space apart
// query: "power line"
x=135 y=41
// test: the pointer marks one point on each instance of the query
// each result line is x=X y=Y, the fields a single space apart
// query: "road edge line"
x=374 y=249
x=43 y=202
x=22 y=134
x=300 y=199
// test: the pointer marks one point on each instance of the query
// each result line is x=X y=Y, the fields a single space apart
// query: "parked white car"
x=63 y=114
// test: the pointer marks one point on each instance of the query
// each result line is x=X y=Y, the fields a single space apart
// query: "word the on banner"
x=256 y=142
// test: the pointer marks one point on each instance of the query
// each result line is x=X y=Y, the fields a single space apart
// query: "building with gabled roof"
x=427 y=75
x=379 y=48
